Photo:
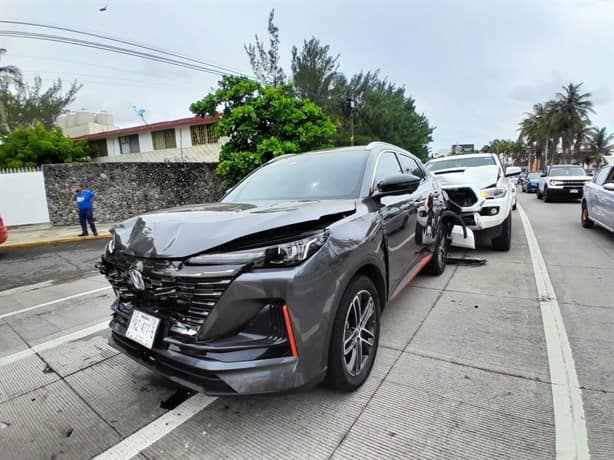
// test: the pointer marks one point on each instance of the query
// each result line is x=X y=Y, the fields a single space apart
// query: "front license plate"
x=574 y=190
x=142 y=328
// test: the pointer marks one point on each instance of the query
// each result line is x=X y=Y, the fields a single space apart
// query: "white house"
x=187 y=139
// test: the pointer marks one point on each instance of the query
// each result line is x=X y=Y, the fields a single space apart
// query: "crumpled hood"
x=187 y=230
x=477 y=177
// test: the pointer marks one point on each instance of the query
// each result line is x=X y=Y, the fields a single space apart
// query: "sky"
x=473 y=67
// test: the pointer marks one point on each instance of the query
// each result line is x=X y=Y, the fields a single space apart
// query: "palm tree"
x=600 y=142
x=9 y=74
x=571 y=110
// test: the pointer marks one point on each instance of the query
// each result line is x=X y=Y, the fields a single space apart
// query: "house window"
x=202 y=134
x=164 y=139
x=129 y=144
x=98 y=148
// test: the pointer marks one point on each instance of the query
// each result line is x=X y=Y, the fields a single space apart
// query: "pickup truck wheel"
x=355 y=336
x=586 y=221
x=547 y=196
x=504 y=241
x=437 y=264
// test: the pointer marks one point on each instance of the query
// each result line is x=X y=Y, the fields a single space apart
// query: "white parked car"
x=480 y=186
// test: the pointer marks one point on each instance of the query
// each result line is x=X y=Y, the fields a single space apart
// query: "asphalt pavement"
x=52 y=262
x=464 y=370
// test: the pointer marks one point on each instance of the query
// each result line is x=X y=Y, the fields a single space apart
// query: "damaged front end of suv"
x=169 y=282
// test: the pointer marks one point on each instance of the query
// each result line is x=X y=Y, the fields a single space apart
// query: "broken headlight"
x=279 y=255
x=494 y=192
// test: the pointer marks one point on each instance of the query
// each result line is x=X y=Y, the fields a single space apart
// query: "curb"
x=66 y=239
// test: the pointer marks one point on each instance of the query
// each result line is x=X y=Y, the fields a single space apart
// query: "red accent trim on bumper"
x=291 y=339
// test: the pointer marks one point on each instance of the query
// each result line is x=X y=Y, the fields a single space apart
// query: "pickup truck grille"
x=464 y=196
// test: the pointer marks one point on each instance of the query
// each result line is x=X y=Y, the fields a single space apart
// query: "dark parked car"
x=282 y=283
x=598 y=200
x=531 y=182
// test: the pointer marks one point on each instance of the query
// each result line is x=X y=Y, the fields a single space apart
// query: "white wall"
x=145 y=142
x=113 y=146
x=22 y=198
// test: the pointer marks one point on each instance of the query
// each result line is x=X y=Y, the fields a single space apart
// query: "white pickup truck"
x=562 y=181
x=479 y=185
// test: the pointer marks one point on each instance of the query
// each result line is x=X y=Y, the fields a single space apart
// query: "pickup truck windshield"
x=567 y=171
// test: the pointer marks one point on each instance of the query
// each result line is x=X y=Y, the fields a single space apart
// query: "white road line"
x=53 y=343
x=46 y=304
x=570 y=426
x=154 y=431
x=27 y=288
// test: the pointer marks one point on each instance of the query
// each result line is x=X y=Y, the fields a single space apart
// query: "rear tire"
x=355 y=333
x=585 y=219
x=504 y=241
x=437 y=264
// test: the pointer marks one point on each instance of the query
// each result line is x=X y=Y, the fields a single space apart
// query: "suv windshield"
x=567 y=171
x=460 y=163
x=319 y=175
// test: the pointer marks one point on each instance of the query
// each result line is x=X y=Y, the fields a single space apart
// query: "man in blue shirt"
x=84 y=199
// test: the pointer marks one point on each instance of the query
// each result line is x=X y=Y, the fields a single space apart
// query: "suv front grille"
x=185 y=301
x=573 y=183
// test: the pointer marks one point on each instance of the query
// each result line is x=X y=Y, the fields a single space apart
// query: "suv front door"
x=398 y=221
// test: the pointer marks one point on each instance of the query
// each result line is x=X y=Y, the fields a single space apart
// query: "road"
x=57 y=262
x=464 y=369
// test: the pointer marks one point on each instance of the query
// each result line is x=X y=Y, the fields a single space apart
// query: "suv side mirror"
x=512 y=171
x=609 y=186
x=399 y=184
x=543 y=174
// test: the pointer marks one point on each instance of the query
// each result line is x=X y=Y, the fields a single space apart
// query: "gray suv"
x=281 y=284
x=598 y=201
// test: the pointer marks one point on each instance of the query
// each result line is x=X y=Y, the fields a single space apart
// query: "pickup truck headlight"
x=279 y=255
x=494 y=192
x=556 y=182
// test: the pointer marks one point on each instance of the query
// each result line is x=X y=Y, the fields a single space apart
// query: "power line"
x=114 y=49
x=126 y=42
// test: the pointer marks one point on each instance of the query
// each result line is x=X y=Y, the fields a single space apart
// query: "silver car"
x=598 y=201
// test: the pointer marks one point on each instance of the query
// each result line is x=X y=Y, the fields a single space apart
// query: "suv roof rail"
x=374 y=144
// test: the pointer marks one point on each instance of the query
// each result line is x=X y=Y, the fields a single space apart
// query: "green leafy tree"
x=36 y=145
x=382 y=112
x=571 y=110
x=261 y=122
x=599 y=143
x=26 y=104
x=265 y=63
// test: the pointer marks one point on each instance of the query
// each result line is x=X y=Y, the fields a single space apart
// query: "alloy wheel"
x=359 y=332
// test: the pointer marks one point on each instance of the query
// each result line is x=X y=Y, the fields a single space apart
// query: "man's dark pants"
x=87 y=215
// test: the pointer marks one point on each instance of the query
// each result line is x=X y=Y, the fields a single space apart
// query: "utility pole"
x=351 y=105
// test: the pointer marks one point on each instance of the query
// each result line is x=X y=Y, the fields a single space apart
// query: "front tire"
x=355 y=336
x=539 y=194
x=547 y=196
x=504 y=241
x=437 y=264
x=585 y=219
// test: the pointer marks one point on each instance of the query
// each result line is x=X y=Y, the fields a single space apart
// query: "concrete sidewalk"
x=38 y=235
